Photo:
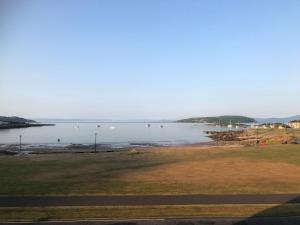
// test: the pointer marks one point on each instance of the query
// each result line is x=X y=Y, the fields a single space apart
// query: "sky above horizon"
x=155 y=59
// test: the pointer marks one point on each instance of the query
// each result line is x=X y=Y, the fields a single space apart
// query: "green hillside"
x=223 y=120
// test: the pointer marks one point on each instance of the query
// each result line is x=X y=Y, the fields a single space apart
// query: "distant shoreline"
x=23 y=125
x=88 y=148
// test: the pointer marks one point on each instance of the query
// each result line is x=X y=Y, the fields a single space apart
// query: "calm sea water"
x=115 y=134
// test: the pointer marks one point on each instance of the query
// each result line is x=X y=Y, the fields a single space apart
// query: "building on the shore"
x=272 y=126
x=294 y=124
x=1 y=122
x=283 y=127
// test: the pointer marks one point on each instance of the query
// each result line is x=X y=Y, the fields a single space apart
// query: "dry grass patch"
x=121 y=212
x=236 y=170
x=174 y=170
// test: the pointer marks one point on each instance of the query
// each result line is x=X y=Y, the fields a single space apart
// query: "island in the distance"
x=221 y=120
x=18 y=122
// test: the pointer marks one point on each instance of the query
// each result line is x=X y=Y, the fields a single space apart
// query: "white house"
x=295 y=124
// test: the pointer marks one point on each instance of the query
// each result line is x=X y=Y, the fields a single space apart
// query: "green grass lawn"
x=186 y=170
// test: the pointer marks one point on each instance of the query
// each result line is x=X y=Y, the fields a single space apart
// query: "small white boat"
x=112 y=127
x=229 y=125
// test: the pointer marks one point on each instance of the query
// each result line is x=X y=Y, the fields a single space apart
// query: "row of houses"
x=271 y=126
x=295 y=124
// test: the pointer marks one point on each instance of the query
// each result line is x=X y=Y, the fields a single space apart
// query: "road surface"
x=123 y=200
x=195 y=221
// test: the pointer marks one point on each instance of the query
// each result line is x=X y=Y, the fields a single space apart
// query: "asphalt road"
x=32 y=201
x=195 y=221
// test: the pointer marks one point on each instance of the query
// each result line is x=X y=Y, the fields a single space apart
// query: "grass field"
x=275 y=136
x=177 y=170
x=121 y=212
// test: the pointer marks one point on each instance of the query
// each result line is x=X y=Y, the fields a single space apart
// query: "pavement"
x=193 y=221
x=43 y=201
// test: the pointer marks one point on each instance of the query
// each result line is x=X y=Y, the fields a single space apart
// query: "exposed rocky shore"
x=228 y=135
x=253 y=137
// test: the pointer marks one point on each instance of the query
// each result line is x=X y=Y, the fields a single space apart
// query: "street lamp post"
x=256 y=137
x=20 y=143
x=95 y=142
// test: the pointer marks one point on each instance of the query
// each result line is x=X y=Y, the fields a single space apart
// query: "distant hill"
x=223 y=120
x=14 y=119
x=278 y=120
x=18 y=122
x=74 y=120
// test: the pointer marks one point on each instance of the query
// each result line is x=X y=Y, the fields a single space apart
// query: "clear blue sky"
x=155 y=59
